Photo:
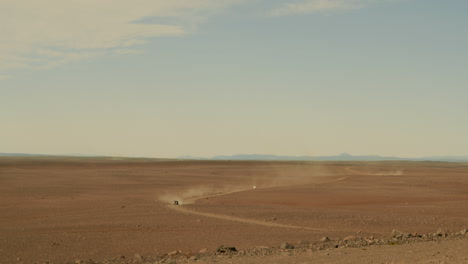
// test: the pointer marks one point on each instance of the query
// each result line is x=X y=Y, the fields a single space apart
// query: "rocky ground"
x=304 y=250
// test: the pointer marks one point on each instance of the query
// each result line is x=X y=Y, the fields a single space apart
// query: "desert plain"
x=77 y=209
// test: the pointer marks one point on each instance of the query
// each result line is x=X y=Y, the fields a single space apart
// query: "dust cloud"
x=188 y=195
x=271 y=175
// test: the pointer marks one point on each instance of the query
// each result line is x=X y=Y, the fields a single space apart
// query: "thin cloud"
x=313 y=6
x=45 y=34
x=53 y=59
x=127 y=51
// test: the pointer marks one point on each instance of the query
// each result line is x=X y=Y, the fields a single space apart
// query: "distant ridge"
x=341 y=157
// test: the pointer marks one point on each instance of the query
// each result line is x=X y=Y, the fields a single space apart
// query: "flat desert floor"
x=58 y=210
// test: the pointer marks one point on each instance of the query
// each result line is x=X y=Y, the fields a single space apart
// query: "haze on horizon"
x=222 y=77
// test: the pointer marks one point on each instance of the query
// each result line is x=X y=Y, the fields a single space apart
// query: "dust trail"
x=384 y=173
x=187 y=196
x=270 y=175
x=191 y=200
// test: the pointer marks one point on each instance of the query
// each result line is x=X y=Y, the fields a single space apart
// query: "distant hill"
x=448 y=158
x=344 y=157
x=341 y=157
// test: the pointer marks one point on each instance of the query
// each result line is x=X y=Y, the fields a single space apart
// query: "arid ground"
x=59 y=210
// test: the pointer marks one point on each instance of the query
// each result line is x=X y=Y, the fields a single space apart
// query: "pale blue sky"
x=305 y=77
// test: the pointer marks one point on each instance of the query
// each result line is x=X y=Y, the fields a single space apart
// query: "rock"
x=226 y=249
x=349 y=238
x=286 y=245
x=397 y=234
x=203 y=250
x=324 y=239
x=400 y=235
x=464 y=232
x=440 y=233
x=173 y=253
x=137 y=256
x=192 y=258
x=370 y=240
x=261 y=247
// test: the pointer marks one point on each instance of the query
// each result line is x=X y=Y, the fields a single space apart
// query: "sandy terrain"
x=63 y=209
x=450 y=251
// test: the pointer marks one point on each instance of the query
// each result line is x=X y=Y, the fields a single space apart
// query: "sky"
x=158 y=78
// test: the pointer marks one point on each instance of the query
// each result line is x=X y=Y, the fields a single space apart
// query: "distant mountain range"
x=341 y=157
